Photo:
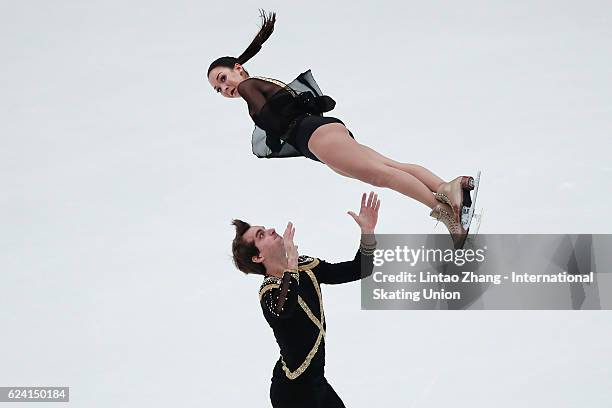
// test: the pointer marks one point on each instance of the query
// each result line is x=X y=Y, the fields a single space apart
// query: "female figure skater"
x=291 y=124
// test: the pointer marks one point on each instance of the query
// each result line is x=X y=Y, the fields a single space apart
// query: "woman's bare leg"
x=332 y=144
x=428 y=178
x=339 y=172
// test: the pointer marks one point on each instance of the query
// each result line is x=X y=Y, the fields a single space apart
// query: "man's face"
x=269 y=243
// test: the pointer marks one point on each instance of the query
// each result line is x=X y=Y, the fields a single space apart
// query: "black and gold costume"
x=285 y=116
x=293 y=307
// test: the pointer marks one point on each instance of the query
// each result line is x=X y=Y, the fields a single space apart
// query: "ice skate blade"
x=468 y=212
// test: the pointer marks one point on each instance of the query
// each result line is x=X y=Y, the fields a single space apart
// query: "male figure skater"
x=290 y=297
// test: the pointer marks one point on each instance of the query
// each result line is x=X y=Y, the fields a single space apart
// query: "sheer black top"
x=276 y=108
x=271 y=106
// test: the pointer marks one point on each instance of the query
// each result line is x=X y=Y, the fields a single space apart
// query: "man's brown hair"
x=243 y=251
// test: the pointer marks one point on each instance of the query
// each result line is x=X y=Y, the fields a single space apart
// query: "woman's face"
x=225 y=80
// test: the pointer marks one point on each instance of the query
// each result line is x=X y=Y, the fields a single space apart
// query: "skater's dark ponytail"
x=267 y=27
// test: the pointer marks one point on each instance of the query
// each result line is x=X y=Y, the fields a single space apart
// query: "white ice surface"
x=120 y=171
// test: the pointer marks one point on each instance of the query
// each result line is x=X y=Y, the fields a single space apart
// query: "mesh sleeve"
x=256 y=92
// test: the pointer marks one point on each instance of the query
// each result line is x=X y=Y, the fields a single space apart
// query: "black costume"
x=293 y=307
x=285 y=116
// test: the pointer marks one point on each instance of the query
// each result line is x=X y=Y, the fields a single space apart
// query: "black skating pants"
x=313 y=394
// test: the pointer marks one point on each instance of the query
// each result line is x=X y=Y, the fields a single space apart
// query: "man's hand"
x=290 y=247
x=368 y=214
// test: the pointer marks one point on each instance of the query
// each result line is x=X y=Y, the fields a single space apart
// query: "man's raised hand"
x=290 y=247
x=368 y=213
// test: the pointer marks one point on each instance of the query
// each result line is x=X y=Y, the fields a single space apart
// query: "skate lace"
x=442 y=197
x=450 y=223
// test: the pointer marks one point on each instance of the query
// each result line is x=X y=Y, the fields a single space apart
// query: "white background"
x=121 y=170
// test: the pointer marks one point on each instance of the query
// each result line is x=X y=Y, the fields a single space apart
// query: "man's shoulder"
x=306 y=262
x=269 y=283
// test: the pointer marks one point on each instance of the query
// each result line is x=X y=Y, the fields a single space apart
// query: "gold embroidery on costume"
x=296 y=276
x=318 y=289
x=266 y=288
x=313 y=262
x=292 y=375
x=270 y=279
x=319 y=323
x=277 y=82
x=311 y=315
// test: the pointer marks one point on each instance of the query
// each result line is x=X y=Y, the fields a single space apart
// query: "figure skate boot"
x=456 y=194
x=443 y=212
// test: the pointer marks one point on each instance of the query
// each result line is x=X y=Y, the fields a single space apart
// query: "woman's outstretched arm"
x=255 y=92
